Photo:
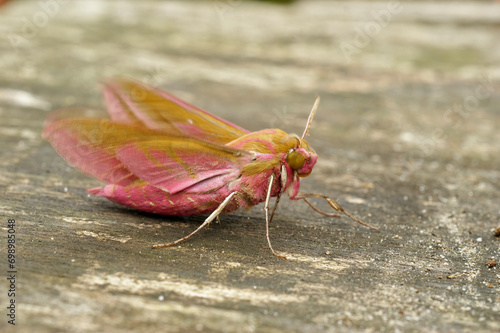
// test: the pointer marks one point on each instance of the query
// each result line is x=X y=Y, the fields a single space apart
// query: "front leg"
x=334 y=204
x=268 y=220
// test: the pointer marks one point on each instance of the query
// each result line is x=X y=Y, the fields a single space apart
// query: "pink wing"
x=140 y=113
x=90 y=145
x=120 y=154
x=174 y=164
x=135 y=103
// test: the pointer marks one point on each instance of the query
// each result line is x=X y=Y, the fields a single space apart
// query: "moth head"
x=302 y=158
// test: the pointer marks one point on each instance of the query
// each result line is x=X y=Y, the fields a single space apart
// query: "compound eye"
x=295 y=160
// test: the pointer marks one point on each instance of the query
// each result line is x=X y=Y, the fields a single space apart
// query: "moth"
x=161 y=155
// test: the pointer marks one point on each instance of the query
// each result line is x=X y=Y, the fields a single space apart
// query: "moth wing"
x=176 y=163
x=90 y=145
x=135 y=103
x=120 y=154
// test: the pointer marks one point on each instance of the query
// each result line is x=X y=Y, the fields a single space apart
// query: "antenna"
x=311 y=116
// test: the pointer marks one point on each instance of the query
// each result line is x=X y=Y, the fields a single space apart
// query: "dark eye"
x=295 y=160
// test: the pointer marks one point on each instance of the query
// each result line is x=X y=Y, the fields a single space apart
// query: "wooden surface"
x=407 y=134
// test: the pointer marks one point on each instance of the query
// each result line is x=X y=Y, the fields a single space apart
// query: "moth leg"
x=283 y=185
x=318 y=210
x=266 y=208
x=209 y=219
x=334 y=204
x=275 y=206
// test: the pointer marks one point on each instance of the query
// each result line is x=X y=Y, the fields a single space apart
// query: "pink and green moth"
x=162 y=155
